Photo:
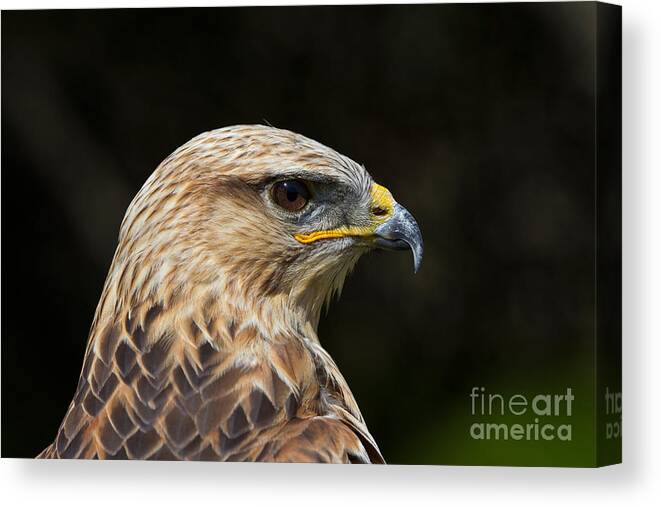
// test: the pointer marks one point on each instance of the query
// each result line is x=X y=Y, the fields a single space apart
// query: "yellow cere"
x=381 y=199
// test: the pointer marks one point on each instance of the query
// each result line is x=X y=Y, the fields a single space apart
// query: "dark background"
x=479 y=118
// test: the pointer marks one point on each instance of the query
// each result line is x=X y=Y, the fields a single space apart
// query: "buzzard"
x=204 y=343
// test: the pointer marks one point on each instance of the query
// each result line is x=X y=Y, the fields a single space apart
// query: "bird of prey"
x=204 y=343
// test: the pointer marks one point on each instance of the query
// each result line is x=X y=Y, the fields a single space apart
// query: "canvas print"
x=313 y=234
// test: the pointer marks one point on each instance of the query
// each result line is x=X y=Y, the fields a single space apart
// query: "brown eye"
x=291 y=195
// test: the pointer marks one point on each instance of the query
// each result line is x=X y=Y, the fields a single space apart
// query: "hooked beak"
x=392 y=228
x=400 y=232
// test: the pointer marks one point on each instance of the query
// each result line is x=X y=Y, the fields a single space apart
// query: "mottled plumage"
x=204 y=342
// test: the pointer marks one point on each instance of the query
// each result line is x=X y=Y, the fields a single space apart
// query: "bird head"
x=250 y=212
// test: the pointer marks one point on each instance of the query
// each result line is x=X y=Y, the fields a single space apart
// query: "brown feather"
x=204 y=343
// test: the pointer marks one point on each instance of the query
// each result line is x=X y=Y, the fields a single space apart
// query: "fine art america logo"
x=613 y=414
x=536 y=415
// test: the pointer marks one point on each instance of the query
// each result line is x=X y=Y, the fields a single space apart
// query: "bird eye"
x=291 y=195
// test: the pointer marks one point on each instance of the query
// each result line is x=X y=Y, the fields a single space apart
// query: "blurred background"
x=479 y=118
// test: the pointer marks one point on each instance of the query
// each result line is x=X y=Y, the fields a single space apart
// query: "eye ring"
x=291 y=195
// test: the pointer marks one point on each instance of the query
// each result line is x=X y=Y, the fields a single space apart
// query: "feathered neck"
x=273 y=335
